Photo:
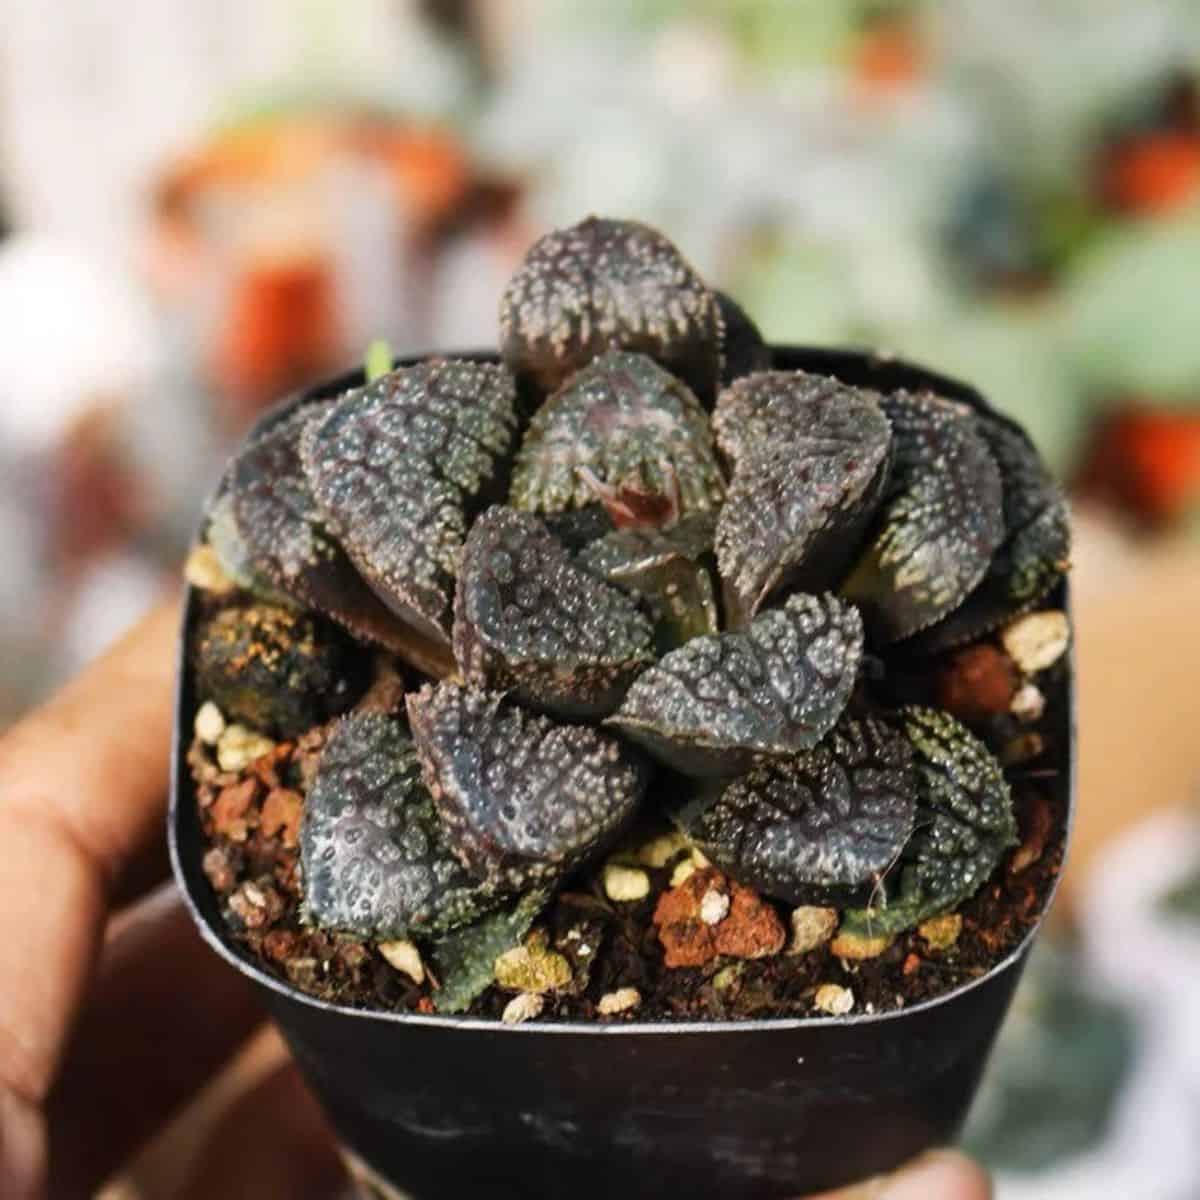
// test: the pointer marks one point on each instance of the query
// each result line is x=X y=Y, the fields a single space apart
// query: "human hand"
x=113 y=1013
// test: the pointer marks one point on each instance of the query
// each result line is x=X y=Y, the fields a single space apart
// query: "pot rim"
x=248 y=967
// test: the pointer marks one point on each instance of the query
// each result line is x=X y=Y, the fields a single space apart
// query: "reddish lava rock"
x=281 y=812
x=231 y=809
x=977 y=682
x=750 y=928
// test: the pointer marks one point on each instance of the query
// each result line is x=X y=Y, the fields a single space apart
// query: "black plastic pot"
x=448 y=1107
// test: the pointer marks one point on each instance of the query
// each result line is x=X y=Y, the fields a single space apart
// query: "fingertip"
x=938 y=1175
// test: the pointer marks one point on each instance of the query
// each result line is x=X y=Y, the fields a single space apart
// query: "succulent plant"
x=617 y=604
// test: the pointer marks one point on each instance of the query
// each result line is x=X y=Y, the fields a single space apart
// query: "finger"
x=163 y=1015
x=936 y=1175
x=273 y=1142
x=82 y=787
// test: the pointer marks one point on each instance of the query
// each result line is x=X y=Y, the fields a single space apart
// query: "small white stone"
x=209 y=723
x=834 y=999
x=622 y=1000
x=660 y=850
x=1028 y=703
x=624 y=884
x=682 y=871
x=811 y=927
x=238 y=747
x=1037 y=640
x=713 y=907
x=524 y=1007
x=405 y=958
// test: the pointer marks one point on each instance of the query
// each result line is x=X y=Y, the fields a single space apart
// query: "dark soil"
x=251 y=820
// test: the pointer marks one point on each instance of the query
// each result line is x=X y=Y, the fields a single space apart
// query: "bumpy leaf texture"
x=964 y=823
x=609 y=285
x=398 y=467
x=625 y=432
x=375 y=858
x=664 y=568
x=812 y=458
x=466 y=957
x=1036 y=547
x=282 y=531
x=719 y=704
x=525 y=799
x=526 y=619
x=941 y=522
x=822 y=826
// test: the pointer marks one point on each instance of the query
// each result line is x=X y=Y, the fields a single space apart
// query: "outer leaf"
x=397 y=467
x=375 y=858
x=604 y=285
x=1036 y=547
x=281 y=530
x=769 y=407
x=822 y=825
x=625 y=432
x=527 y=619
x=941 y=523
x=525 y=799
x=812 y=458
x=664 y=568
x=964 y=824
x=719 y=704
x=466 y=958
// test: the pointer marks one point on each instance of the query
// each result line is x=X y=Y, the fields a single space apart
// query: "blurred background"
x=205 y=203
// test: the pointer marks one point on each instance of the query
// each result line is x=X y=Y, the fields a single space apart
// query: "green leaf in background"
x=378 y=360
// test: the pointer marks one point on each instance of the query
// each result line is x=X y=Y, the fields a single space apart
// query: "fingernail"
x=937 y=1173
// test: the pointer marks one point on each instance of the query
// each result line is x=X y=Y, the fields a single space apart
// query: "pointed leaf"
x=466 y=958
x=604 y=285
x=375 y=857
x=282 y=532
x=625 y=432
x=941 y=522
x=525 y=799
x=718 y=704
x=964 y=824
x=1035 y=551
x=812 y=461
x=827 y=823
x=527 y=619
x=398 y=466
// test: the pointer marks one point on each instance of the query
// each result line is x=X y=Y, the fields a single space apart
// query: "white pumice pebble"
x=811 y=927
x=625 y=884
x=834 y=999
x=622 y=1000
x=713 y=907
x=209 y=723
x=405 y=958
x=1037 y=640
x=1028 y=703
x=521 y=1008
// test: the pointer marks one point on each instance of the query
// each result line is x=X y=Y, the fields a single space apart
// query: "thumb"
x=936 y=1175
